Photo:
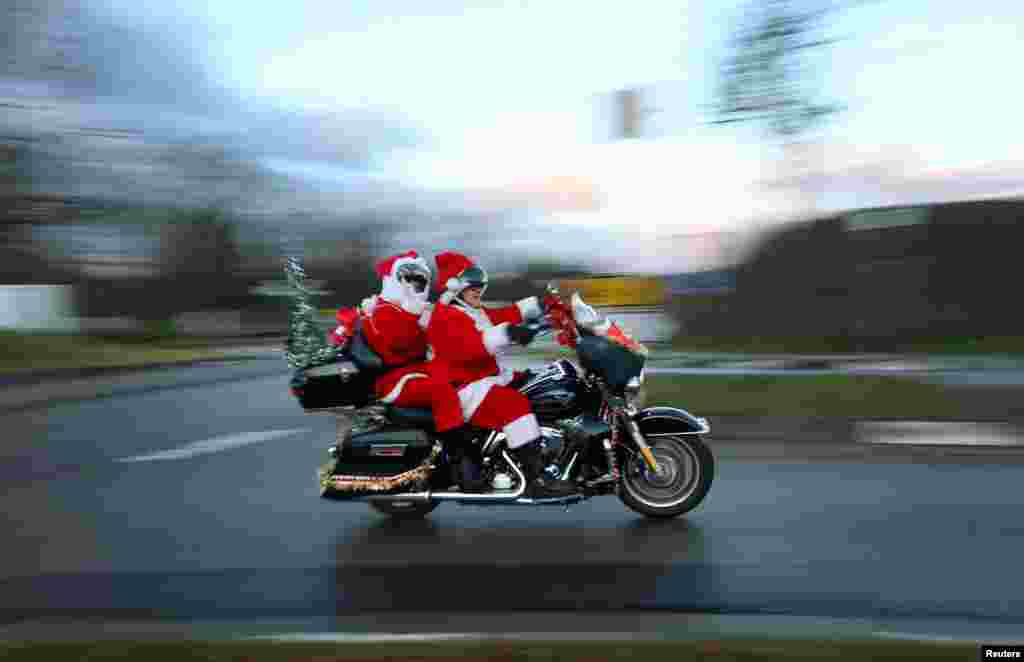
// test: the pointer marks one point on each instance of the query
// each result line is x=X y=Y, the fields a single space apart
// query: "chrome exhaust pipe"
x=488 y=498
x=514 y=499
x=511 y=498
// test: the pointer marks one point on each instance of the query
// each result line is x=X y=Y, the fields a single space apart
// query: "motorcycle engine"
x=501 y=481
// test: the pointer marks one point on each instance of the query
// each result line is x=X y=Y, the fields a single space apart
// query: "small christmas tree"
x=307 y=347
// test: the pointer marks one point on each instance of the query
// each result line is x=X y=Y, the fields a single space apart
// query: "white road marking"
x=937 y=432
x=215 y=445
x=370 y=637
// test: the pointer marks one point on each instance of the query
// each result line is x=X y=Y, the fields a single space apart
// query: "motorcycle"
x=595 y=433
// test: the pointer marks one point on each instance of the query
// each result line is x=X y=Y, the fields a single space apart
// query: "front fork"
x=626 y=415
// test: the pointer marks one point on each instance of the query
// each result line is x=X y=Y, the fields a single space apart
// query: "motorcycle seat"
x=420 y=418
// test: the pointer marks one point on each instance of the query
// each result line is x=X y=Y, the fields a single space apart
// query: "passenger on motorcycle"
x=464 y=338
x=392 y=328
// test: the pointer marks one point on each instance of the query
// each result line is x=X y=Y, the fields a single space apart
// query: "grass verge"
x=960 y=345
x=491 y=650
x=830 y=396
x=22 y=353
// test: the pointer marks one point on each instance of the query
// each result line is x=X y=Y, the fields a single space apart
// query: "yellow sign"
x=617 y=291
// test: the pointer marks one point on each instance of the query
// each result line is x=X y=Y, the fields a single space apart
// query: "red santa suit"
x=392 y=329
x=465 y=342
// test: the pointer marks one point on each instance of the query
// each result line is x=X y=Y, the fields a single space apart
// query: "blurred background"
x=772 y=175
x=809 y=210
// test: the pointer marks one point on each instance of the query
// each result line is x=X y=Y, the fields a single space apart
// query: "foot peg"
x=606 y=479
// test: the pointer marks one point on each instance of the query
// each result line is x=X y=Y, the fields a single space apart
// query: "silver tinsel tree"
x=307 y=345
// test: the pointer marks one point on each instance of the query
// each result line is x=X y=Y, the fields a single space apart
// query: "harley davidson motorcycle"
x=596 y=434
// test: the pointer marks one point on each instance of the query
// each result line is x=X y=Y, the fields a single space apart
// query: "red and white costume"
x=464 y=342
x=392 y=329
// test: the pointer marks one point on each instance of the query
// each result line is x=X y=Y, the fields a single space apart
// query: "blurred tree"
x=42 y=40
x=766 y=79
x=198 y=262
x=344 y=259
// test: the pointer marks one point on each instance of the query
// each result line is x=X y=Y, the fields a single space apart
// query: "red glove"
x=346 y=328
x=561 y=317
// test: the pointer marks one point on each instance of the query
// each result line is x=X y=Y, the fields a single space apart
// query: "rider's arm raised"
x=517 y=313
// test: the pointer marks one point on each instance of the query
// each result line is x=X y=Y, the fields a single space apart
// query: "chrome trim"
x=514 y=497
x=674 y=434
x=697 y=476
x=553 y=501
x=705 y=427
x=568 y=467
x=475 y=498
x=344 y=369
x=388 y=450
x=492 y=439
x=551 y=372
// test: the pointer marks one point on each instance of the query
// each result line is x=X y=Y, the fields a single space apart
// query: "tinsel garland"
x=332 y=484
x=307 y=347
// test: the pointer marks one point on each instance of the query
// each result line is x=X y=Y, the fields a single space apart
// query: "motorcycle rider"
x=464 y=337
x=390 y=323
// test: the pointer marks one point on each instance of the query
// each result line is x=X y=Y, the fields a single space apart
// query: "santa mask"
x=405 y=281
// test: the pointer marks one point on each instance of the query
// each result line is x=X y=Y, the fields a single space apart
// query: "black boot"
x=472 y=480
x=464 y=459
x=538 y=484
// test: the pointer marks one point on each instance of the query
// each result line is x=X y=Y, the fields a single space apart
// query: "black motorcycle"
x=595 y=433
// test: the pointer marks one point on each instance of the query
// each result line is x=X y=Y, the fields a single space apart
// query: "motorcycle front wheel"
x=404 y=509
x=686 y=468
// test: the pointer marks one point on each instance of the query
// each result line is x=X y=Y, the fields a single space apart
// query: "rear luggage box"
x=338 y=384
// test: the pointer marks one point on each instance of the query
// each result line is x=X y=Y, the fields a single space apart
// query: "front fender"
x=669 y=420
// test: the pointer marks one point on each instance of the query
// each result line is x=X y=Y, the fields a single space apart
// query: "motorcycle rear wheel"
x=404 y=509
x=686 y=470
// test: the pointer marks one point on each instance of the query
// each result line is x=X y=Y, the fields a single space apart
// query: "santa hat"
x=449 y=267
x=389 y=266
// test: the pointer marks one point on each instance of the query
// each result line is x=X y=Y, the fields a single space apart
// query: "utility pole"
x=630 y=114
x=627 y=104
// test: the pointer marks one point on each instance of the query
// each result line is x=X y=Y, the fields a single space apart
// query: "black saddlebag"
x=383 y=461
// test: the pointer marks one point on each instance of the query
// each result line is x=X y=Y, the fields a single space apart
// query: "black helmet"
x=474 y=276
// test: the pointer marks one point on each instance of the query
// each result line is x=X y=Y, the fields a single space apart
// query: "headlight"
x=635 y=393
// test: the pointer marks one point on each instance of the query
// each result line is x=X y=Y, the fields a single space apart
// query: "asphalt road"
x=200 y=503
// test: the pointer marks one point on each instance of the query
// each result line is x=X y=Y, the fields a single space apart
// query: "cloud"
x=903 y=174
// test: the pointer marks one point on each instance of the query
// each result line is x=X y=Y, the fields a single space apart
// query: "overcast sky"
x=495 y=97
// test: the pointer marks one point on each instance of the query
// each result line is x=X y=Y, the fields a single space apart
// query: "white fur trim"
x=506 y=376
x=472 y=395
x=453 y=284
x=397 y=390
x=424 y=320
x=496 y=337
x=529 y=308
x=394 y=292
x=408 y=260
x=522 y=431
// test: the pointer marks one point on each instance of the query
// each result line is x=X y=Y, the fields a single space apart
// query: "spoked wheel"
x=685 y=471
x=411 y=509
